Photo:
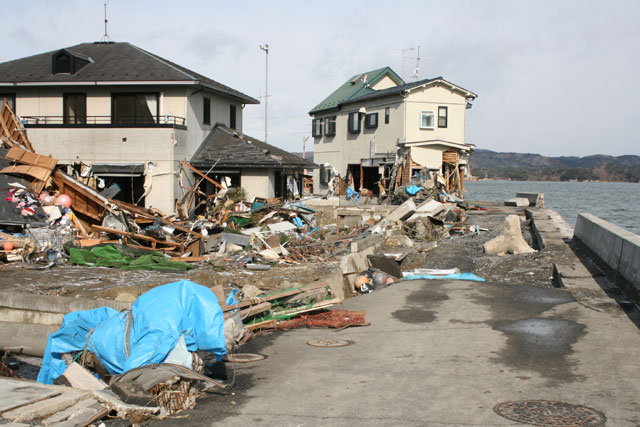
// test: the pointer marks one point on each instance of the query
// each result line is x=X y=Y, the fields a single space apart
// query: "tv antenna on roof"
x=106 y=37
x=417 y=69
x=404 y=50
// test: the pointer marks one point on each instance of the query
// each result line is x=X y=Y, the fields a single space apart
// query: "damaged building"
x=123 y=119
x=375 y=121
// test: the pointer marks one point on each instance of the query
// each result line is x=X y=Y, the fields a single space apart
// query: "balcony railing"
x=103 y=121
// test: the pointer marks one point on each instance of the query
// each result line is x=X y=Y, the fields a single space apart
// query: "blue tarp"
x=158 y=319
x=412 y=189
x=459 y=276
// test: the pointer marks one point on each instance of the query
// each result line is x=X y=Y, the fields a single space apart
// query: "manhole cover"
x=243 y=357
x=328 y=343
x=549 y=413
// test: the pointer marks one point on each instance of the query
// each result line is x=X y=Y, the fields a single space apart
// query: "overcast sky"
x=553 y=77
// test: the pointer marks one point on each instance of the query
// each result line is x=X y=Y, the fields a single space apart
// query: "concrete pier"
x=615 y=250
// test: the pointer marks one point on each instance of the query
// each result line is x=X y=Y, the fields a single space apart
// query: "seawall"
x=614 y=249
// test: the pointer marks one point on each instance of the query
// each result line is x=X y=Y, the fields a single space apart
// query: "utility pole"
x=304 y=146
x=265 y=47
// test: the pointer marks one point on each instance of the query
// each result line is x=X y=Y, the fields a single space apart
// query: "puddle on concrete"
x=541 y=345
x=419 y=305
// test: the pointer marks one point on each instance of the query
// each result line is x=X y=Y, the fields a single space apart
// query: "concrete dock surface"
x=439 y=353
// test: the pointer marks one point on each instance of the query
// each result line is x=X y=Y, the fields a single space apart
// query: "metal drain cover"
x=244 y=357
x=549 y=413
x=328 y=343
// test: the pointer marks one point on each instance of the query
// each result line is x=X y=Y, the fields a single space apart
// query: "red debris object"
x=337 y=319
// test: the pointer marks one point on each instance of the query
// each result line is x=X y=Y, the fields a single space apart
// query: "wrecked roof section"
x=111 y=63
x=226 y=147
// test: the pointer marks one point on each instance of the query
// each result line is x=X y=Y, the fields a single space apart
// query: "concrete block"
x=517 y=201
x=236 y=239
x=282 y=227
x=403 y=211
x=535 y=199
x=362 y=244
x=432 y=207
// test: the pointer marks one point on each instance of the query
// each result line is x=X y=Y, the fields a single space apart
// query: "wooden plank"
x=82 y=379
x=16 y=393
x=146 y=214
x=189 y=258
x=45 y=408
x=20 y=155
x=136 y=236
x=273 y=297
x=72 y=411
x=252 y=311
x=35 y=171
x=214 y=182
x=262 y=325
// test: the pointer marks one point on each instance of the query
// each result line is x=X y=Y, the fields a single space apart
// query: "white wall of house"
x=164 y=147
x=258 y=182
x=106 y=145
x=345 y=148
x=429 y=99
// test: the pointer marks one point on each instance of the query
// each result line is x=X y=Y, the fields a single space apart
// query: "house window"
x=232 y=116
x=371 y=121
x=62 y=63
x=443 y=113
x=134 y=108
x=387 y=115
x=74 y=108
x=206 y=111
x=316 y=128
x=11 y=99
x=354 y=122
x=330 y=126
x=426 y=120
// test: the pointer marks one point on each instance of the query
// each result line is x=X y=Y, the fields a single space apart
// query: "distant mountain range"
x=529 y=167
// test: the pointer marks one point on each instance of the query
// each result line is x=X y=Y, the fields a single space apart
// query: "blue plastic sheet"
x=459 y=276
x=158 y=318
x=231 y=298
x=412 y=189
x=352 y=193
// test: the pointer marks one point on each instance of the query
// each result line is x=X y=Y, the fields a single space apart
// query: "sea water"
x=616 y=202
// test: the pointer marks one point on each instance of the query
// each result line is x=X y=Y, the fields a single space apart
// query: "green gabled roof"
x=355 y=87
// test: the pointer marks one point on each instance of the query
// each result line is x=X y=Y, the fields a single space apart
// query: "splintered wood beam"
x=214 y=182
x=148 y=215
x=136 y=236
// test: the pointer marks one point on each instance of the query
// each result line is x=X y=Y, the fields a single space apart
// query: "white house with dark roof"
x=358 y=128
x=130 y=114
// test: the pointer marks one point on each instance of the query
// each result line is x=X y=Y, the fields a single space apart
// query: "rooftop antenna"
x=106 y=37
x=404 y=50
x=416 y=72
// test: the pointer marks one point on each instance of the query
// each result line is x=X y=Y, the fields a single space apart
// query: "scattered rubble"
x=151 y=350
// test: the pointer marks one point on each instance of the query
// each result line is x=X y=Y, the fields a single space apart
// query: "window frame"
x=206 y=110
x=367 y=118
x=67 y=119
x=387 y=115
x=350 y=129
x=433 y=119
x=330 y=126
x=445 y=117
x=135 y=121
x=316 y=127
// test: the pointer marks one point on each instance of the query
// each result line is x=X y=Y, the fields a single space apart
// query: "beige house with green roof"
x=358 y=129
